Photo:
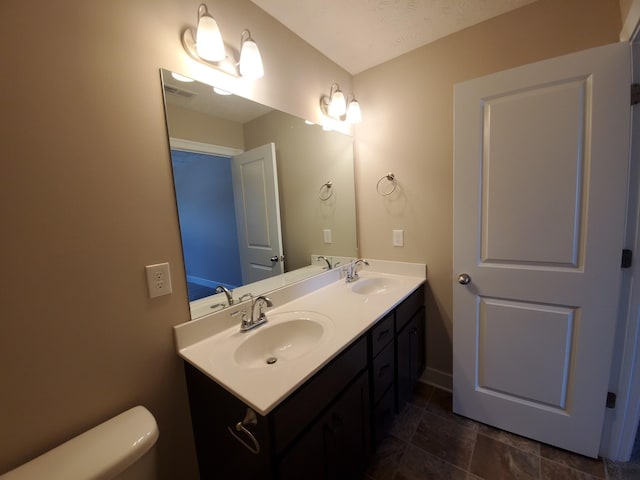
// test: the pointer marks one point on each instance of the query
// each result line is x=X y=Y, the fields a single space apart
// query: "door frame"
x=621 y=424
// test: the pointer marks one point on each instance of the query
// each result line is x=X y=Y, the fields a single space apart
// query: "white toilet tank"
x=118 y=449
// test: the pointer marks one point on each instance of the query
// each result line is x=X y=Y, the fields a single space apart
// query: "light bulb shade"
x=209 y=44
x=337 y=104
x=250 y=60
x=354 y=115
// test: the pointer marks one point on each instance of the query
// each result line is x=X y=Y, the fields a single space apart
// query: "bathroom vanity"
x=320 y=413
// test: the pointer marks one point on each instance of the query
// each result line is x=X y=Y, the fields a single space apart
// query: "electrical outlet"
x=158 y=279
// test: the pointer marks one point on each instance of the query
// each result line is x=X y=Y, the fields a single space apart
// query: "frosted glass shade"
x=338 y=105
x=250 y=60
x=209 y=44
x=354 y=115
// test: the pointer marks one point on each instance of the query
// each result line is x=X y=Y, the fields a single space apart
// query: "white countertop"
x=209 y=343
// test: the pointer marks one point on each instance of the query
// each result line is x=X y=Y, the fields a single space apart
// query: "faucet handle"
x=245 y=296
x=245 y=318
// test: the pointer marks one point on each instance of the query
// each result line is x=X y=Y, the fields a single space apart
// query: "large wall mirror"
x=264 y=198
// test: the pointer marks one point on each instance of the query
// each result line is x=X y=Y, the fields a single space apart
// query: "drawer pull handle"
x=249 y=419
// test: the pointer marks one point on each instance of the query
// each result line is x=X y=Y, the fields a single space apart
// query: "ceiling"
x=200 y=97
x=360 y=34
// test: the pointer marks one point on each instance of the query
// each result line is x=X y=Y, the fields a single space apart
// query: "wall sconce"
x=205 y=45
x=336 y=106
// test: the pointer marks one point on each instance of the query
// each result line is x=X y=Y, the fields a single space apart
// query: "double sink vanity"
x=311 y=392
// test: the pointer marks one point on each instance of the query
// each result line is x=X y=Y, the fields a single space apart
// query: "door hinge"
x=627 y=258
x=635 y=93
x=611 y=400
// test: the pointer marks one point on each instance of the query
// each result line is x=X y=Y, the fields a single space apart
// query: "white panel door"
x=255 y=187
x=540 y=182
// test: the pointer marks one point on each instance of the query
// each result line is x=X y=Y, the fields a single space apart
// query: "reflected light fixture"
x=220 y=91
x=335 y=106
x=205 y=44
x=181 y=78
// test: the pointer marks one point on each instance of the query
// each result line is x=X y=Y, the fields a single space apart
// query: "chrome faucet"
x=227 y=292
x=326 y=260
x=251 y=322
x=352 y=270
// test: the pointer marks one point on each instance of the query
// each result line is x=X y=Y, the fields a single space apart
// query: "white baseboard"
x=437 y=378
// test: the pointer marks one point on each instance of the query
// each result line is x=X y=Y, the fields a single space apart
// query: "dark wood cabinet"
x=409 y=360
x=337 y=445
x=327 y=428
x=410 y=346
x=382 y=374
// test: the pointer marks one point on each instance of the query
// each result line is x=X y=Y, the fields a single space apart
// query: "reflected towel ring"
x=389 y=186
x=326 y=190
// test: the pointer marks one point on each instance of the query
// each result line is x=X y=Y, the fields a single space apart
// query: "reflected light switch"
x=398 y=238
x=327 y=235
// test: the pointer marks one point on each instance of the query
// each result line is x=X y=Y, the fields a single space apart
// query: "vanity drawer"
x=383 y=371
x=409 y=307
x=299 y=410
x=382 y=334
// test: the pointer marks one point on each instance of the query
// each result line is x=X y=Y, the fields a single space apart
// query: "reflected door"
x=255 y=186
x=541 y=158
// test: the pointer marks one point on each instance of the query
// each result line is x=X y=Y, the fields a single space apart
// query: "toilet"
x=119 y=449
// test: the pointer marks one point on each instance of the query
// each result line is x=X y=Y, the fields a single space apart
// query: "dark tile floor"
x=428 y=441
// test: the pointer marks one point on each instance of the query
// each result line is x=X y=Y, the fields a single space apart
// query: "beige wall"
x=86 y=197
x=86 y=200
x=307 y=157
x=625 y=6
x=407 y=129
x=190 y=125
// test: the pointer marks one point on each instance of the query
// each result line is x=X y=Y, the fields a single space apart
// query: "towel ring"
x=390 y=180
x=326 y=190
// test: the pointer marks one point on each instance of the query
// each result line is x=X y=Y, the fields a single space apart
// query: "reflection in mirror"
x=261 y=194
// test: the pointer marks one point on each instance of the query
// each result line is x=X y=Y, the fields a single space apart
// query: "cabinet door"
x=336 y=446
x=383 y=415
x=346 y=433
x=306 y=458
x=406 y=361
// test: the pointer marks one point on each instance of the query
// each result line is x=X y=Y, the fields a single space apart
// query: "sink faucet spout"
x=352 y=270
x=251 y=321
x=227 y=292
x=321 y=257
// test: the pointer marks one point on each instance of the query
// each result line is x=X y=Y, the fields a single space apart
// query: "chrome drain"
x=271 y=360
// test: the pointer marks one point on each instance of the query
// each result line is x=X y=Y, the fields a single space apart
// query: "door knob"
x=464 y=279
x=274 y=258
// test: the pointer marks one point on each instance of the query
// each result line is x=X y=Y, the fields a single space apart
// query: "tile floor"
x=428 y=441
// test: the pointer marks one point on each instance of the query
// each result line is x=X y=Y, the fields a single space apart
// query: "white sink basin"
x=287 y=336
x=373 y=286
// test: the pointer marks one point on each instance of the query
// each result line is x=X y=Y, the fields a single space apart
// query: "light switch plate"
x=158 y=279
x=398 y=238
x=327 y=235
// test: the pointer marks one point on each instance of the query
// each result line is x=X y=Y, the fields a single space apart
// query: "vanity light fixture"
x=209 y=44
x=336 y=106
x=205 y=45
x=250 y=59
